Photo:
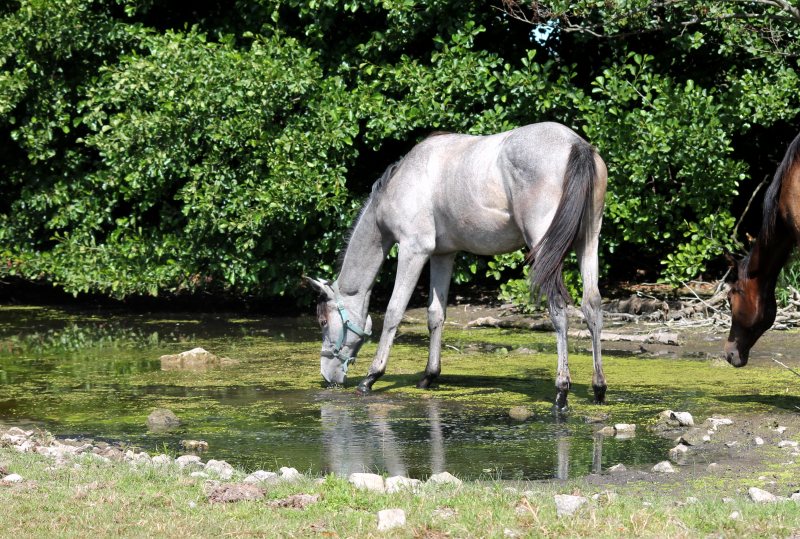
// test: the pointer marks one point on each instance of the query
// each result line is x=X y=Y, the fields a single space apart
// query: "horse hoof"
x=424 y=384
x=363 y=391
x=560 y=409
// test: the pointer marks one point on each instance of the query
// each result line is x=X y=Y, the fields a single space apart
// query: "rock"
x=664 y=467
x=367 y=481
x=787 y=443
x=196 y=359
x=625 y=427
x=598 y=418
x=290 y=474
x=795 y=497
x=445 y=513
x=526 y=351
x=712 y=466
x=391 y=518
x=728 y=500
x=617 y=468
x=717 y=421
x=693 y=437
x=664 y=425
x=521 y=413
x=261 y=476
x=605 y=497
x=684 y=418
x=444 y=478
x=188 y=460
x=706 y=438
x=162 y=460
x=606 y=431
x=199 y=474
x=296 y=501
x=678 y=450
x=692 y=499
x=398 y=483
x=235 y=493
x=735 y=516
x=217 y=466
x=761 y=496
x=566 y=504
x=194 y=445
x=13 y=478
x=780 y=430
x=162 y=418
x=509 y=533
x=759 y=441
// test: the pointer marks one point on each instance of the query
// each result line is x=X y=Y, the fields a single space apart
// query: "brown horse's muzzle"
x=735 y=356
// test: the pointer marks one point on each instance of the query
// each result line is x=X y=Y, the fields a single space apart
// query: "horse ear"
x=320 y=286
x=733 y=274
x=732 y=262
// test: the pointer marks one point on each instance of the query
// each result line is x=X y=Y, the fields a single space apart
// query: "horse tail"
x=773 y=194
x=547 y=258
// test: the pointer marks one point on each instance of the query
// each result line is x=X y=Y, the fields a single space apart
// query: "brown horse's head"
x=753 y=309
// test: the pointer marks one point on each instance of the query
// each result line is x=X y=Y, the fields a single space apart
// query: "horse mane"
x=377 y=187
x=770 y=215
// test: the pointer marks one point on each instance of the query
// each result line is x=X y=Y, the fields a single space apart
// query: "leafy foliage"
x=150 y=155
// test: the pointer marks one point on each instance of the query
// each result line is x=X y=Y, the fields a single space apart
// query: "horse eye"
x=323 y=322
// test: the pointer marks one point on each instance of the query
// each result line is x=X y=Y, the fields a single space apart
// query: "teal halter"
x=346 y=324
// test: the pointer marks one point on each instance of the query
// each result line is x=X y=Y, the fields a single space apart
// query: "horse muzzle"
x=734 y=356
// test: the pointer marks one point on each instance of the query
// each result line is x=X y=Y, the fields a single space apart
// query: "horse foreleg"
x=409 y=267
x=558 y=315
x=441 y=270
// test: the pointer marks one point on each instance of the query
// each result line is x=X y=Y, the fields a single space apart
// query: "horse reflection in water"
x=352 y=445
x=362 y=439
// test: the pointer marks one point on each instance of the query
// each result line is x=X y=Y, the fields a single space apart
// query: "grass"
x=115 y=499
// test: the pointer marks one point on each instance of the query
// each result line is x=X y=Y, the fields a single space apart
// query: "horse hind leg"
x=441 y=271
x=558 y=315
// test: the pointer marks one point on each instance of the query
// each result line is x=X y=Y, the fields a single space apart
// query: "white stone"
x=162 y=460
x=199 y=474
x=390 y=518
x=679 y=449
x=692 y=499
x=509 y=533
x=189 y=460
x=647 y=504
x=217 y=466
x=625 y=427
x=261 y=476
x=618 y=468
x=142 y=456
x=84 y=448
x=759 y=441
x=664 y=467
x=290 y=474
x=780 y=430
x=706 y=438
x=795 y=497
x=761 y=496
x=13 y=478
x=787 y=443
x=367 y=481
x=567 y=504
x=728 y=500
x=444 y=478
x=226 y=474
x=716 y=422
x=735 y=515
x=731 y=444
x=398 y=483
x=684 y=418
x=16 y=431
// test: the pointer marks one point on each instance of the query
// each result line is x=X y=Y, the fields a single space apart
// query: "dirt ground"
x=746 y=453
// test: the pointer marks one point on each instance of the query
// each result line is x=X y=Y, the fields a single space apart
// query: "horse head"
x=753 y=309
x=341 y=337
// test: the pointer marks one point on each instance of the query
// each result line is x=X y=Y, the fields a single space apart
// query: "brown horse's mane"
x=770 y=219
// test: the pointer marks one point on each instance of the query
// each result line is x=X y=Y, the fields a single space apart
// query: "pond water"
x=99 y=376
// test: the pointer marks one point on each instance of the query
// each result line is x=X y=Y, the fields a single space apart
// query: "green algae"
x=73 y=373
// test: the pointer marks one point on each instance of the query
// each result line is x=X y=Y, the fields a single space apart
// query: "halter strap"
x=346 y=324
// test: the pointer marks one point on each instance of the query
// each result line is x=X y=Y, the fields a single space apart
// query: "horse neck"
x=363 y=259
x=768 y=256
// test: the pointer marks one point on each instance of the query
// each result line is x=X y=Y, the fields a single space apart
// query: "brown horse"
x=753 y=278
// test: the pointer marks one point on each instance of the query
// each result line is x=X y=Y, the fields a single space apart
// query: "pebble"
x=567 y=504
x=759 y=441
x=684 y=418
x=398 y=483
x=367 y=481
x=444 y=478
x=260 y=476
x=391 y=518
x=188 y=460
x=664 y=467
x=13 y=478
x=290 y=474
x=787 y=443
x=199 y=474
x=618 y=468
x=761 y=496
x=735 y=515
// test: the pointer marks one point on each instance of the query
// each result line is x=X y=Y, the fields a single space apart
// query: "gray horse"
x=540 y=185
